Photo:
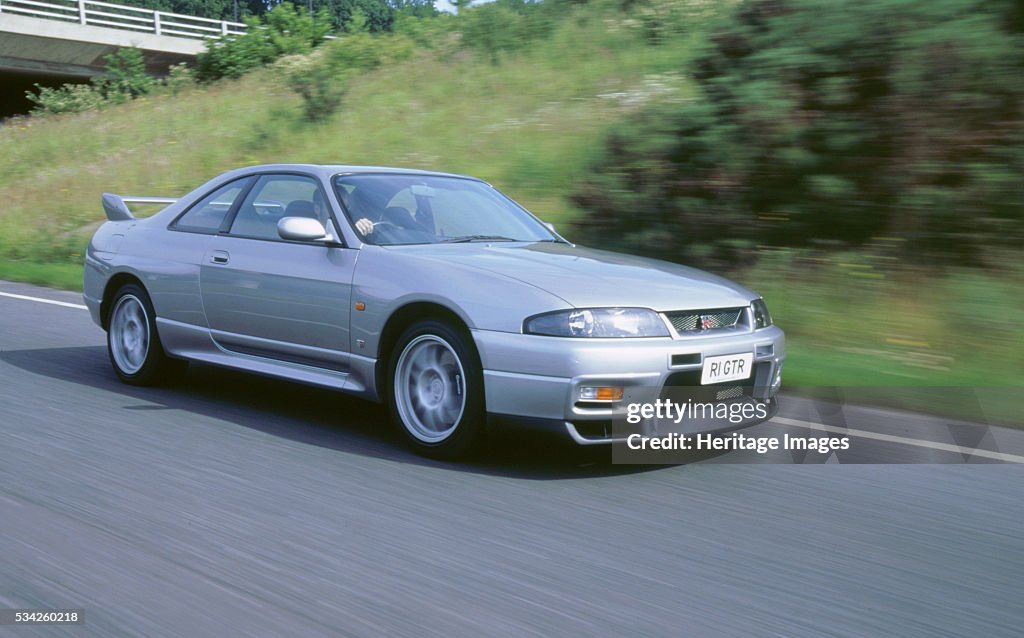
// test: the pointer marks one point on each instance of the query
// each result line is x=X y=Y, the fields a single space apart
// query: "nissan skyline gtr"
x=431 y=292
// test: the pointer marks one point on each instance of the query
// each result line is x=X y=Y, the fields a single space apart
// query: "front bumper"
x=535 y=381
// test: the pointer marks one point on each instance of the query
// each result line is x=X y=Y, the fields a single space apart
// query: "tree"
x=379 y=14
x=286 y=31
x=829 y=125
x=414 y=8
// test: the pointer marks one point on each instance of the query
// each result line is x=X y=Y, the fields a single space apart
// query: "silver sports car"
x=431 y=292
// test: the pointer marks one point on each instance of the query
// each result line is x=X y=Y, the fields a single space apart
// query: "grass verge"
x=64 y=276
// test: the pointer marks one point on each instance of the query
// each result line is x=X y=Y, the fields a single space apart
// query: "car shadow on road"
x=313 y=416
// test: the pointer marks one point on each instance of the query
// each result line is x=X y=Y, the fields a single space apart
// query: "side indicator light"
x=600 y=394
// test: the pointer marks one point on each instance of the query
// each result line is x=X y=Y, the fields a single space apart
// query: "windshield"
x=393 y=209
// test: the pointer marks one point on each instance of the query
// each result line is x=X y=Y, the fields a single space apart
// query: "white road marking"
x=41 y=300
x=889 y=438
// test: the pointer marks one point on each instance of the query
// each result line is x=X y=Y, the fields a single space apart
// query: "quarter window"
x=208 y=214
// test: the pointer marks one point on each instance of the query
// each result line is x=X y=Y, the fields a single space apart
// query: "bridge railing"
x=105 y=14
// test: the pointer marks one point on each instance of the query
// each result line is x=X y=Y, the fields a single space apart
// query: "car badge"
x=705 y=322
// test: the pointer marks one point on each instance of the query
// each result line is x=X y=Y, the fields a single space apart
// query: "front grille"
x=704 y=320
x=729 y=393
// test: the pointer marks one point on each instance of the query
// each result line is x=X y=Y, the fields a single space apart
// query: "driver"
x=359 y=206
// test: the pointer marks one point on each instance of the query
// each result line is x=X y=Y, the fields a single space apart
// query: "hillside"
x=528 y=124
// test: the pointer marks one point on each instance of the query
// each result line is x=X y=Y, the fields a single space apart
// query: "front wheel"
x=132 y=341
x=435 y=390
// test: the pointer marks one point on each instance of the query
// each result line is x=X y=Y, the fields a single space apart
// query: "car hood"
x=588 y=278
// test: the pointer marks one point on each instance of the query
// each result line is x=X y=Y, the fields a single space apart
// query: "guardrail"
x=118 y=16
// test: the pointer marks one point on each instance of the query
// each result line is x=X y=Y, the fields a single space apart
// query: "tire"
x=133 y=344
x=435 y=390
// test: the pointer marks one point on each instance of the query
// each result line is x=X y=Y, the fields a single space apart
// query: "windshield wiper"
x=468 y=238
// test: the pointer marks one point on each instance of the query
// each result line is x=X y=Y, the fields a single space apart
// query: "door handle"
x=219 y=257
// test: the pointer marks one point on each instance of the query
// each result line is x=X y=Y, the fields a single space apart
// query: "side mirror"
x=302 y=229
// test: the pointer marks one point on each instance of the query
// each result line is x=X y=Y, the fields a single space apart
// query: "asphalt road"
x=231 y=505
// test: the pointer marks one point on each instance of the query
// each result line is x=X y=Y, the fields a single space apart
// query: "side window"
x=207 y=214
x=274 y=197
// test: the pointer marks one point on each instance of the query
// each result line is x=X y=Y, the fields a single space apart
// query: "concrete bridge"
x=55 y=41
x=70 y=37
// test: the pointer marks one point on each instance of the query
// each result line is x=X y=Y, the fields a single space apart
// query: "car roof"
x=328 y=170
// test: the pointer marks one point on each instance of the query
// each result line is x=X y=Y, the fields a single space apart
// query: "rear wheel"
x=133 y=343
x=435 y=390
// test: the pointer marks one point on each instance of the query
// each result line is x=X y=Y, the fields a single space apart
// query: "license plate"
x=729 y=367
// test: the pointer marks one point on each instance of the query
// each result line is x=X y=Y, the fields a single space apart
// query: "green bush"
x=893 y=125
x=316 y=82
x=126 y=76
x=290 y=31
x=179 y=78
x=125 y=79
x=362 y=51
x=501 y=27
x=427 y=32
x=287 y=32
x=321 y=79
x=662 y=21
x=68 y=98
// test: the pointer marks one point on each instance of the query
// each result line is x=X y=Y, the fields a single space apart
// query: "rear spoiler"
x=116 y=206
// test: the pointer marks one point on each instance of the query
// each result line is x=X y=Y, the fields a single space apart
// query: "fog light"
x=589 y=393
x=778 y=375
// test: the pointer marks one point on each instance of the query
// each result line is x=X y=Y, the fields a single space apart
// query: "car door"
x=280 y=299
x=180 y=248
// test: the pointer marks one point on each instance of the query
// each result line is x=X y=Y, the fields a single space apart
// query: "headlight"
x=761 y=317
x=598 y=322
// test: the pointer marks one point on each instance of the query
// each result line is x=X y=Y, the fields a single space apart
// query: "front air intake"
x=701 y=321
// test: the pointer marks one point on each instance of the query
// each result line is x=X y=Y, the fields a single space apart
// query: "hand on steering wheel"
x=366 y=227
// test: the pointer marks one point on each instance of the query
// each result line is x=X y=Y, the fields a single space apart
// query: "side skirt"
x=195 y=343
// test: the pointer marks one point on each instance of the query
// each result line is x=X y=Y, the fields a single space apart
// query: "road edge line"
x=889 y=438
x=41 y=300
